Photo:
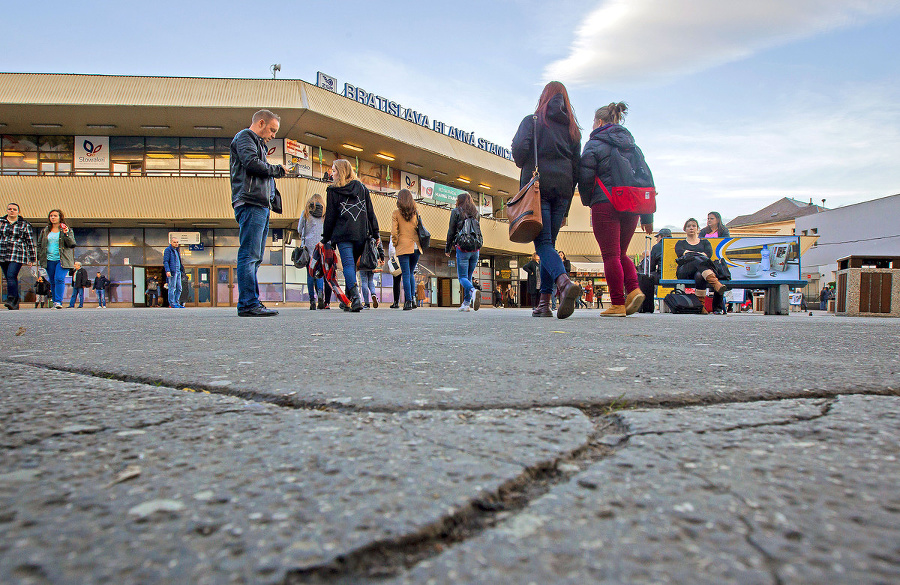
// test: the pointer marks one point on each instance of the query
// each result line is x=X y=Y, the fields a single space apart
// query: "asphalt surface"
x=432 y=446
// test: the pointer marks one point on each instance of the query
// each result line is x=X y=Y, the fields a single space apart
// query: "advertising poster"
x=275 y=151
x=427 y=191
x=411 y=182
x=762 y=258
x=92 y=152
x=446 y=194
x=298 y=155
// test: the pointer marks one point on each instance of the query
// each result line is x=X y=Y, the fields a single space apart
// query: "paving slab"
x=439 y=358
x=803 y=491
x=104 y=481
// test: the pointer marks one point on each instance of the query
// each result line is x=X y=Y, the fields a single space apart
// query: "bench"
x=740 y=252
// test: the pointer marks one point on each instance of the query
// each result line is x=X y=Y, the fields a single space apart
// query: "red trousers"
x=613 y=231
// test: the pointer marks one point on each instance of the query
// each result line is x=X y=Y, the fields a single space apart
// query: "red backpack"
x=632 y=188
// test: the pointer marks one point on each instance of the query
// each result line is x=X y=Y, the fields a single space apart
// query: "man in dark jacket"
x=100 y=285
x=656 y=253
x=174 y=268
x=252 y=193
x=80 y=281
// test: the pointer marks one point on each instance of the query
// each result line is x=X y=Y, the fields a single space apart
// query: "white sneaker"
x=464 y=308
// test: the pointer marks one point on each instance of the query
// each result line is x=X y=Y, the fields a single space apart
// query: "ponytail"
x=612 y=113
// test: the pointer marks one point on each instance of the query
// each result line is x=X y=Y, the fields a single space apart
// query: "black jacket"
x=42 y=288
x=252 y=178
x=595 y=163
x=81 y=279
x=656 y=258
x=456 y=225
x=532 y=268
x=723 y=232
x=101 y=283
x=558 y=154
x=349 y=216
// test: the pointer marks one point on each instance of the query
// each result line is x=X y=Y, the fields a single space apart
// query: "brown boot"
x=543 y=307
x=615 y=311
x=633 y=301
x=714 y=282
x=569 y=292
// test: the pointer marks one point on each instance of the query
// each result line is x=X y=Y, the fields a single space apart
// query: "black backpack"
x=469 y=237
x=683 y=303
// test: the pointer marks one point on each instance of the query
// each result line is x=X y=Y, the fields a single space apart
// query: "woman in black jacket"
x=694 y=258
x=612 y=229
x=715 y=229
x=349 y=222
x=558 y=154
x=467 y=244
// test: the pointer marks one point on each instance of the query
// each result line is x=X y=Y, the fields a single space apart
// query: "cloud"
x=629 y=40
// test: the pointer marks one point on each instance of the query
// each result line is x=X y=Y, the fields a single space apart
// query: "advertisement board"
x=91 y=152
x=275 y=151
x=411 y=182
x=298 y=155
x=761 y=258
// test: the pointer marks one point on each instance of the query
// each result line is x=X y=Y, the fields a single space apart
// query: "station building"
x=132 y=159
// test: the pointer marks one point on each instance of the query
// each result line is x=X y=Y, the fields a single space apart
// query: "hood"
x=556 y=110
x=614 y=135
x=353 y=190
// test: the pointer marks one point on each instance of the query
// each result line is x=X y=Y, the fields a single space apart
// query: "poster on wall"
x=275 y=151
x=411 y=182
x=427 y=190
x=92 y=152
x=298 y=155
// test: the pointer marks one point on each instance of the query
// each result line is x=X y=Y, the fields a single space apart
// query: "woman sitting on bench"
x=694 y=258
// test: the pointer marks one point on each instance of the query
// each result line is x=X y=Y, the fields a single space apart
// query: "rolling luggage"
x=647 y=284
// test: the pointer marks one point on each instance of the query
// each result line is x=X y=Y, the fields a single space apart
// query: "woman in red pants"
x=613 y=229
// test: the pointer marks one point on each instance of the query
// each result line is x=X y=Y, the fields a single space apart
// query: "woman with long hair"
x=693 y=255
x=16 y=249
x=56 y=253
x=467 y=243
x=715 y=229
x=558 y=153
x=309 y=230
x=405 y=235
x=349 y=222
x=613 y=229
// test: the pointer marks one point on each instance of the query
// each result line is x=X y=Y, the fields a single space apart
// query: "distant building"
x=775 y=219
x=863 y=229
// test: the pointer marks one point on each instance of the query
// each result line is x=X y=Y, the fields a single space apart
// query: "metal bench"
x=777 y=299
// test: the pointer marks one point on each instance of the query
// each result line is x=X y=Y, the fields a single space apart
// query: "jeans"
x=77 y=293
x=613 y=231
x=367 y=284
x=57 y=276
x=101 y=297
x=465 y=267
x=175 y=290
x=408 y=266
x=553 y=212
x=314 y=287
x=253 y=228
x=350 y=253
x=11 y=273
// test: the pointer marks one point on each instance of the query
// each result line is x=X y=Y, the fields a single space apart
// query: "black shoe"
x=374 y=302
x=258 y=311
x=396 y=305
x=12 y=305
x=312 y=305
x=355 y=301
x=320 y=304
x=408 y=305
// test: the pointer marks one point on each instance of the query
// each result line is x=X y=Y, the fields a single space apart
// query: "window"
x=162 y=155
x=19 y=155
x=197 y=156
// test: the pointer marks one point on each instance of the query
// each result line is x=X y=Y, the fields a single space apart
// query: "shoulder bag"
x=424 y=235
x=300 y=257
x=369 y=258
x=524 y=210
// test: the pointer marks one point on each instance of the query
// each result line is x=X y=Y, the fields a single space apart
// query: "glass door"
x=138 y=278
x=197 y=291
x=226 y=288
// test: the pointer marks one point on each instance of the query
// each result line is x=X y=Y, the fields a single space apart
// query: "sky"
x=735 y=104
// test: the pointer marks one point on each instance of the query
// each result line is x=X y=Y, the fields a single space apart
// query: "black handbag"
x=722 y=270
x=275 y=202
x=369 y=258
x=683 y=303
x=424 y=235
x=300 y=257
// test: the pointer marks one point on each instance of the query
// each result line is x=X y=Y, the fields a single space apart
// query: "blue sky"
x=735 y=104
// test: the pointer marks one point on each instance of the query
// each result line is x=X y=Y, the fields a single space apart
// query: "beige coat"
x=404 y=233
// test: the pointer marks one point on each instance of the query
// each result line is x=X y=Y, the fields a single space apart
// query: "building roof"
x=784 y=209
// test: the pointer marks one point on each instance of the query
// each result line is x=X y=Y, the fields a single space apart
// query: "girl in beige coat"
x=404 y=233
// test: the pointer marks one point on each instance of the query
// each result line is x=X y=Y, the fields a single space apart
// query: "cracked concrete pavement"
x=438 y=447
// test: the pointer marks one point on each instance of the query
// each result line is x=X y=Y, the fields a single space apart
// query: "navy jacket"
x=252 y=178
x=169 y=260
x=558 y=155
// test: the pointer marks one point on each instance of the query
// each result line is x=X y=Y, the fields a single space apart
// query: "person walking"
x=533 y=269
x=174 y=271
x=56 y=253
x=558 y=152
x=824 y=297
x=309 y=230
x=612 y=229
x=80 y=281
x=100 y=285
x=17 y=248
x=405 y=235
x=464 y=236
x=152 y=292
x=715 y=229
x=349 y=222
x=252 y=193
x=41 y=292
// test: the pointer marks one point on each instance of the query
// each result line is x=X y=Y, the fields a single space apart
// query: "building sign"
x=92 y=152
x=185 y=238
x=275 y=151
x=298 y=155
x=446 y=194
x=411 y=182
x=391 y=107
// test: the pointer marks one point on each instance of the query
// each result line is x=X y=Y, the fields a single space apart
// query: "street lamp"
x=274 y=68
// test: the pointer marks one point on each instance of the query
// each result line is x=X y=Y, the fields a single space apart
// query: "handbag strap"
x=534 y=118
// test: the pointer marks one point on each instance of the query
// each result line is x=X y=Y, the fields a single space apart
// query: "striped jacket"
x=17 y=242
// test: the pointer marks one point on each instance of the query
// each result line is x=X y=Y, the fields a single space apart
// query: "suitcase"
x=683 y=303
x=647 y=283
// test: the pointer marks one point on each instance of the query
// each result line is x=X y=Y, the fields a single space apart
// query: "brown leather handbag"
x=524 y=210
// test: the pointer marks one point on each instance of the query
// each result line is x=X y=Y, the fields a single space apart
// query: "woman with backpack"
x=309 y=230
x=405 y=235
x=464 y=234
x=558 y=151
x=613 y=229
x=349 y=223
